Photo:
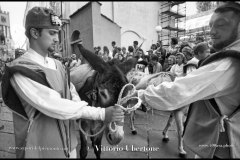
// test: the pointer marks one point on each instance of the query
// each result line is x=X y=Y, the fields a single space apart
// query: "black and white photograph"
x=120 y=79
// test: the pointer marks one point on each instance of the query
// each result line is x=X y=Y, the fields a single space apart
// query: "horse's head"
x=110 y=78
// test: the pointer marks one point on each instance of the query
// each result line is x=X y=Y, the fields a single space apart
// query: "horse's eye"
x=103 y=94
x=105 y=97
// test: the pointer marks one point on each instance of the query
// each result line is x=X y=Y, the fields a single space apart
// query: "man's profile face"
x=223 y=29
x=48 y=39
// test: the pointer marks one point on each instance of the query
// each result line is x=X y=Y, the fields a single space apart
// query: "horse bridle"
x=120 y=102
x=91 y=95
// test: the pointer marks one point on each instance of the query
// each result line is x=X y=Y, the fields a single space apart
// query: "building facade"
x=92 y=27
x=6 y=42
x=136 y=19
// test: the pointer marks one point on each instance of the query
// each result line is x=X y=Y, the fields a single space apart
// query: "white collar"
x=43 y=61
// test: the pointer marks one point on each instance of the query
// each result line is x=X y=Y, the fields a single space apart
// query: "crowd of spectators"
x=157 y=59
x=178 y=58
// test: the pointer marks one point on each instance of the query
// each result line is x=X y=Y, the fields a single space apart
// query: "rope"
x=91 y=135
x=120 y=102
x=123 y=100
x=222 y=128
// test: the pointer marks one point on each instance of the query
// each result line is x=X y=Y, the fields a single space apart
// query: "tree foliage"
x=205 y=5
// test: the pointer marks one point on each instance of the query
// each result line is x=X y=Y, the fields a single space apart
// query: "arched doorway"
x=75 y=38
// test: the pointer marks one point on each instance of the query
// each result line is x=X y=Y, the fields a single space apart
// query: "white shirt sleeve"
x=75 y=96
x=50 y=103
x=210 y=81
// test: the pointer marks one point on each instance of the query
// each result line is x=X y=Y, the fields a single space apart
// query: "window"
x=3 y=19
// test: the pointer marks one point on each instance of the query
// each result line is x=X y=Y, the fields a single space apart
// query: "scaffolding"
x=173 y=20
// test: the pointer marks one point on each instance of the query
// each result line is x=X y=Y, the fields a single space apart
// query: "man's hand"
x=113 y=114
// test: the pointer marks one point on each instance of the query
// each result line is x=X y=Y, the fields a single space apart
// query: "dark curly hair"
x=130 y=49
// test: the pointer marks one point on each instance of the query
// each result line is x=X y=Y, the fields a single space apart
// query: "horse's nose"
x=113 y=139
x=110 y=137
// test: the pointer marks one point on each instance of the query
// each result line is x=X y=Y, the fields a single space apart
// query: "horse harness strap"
x=121 y=100
x=92 y=93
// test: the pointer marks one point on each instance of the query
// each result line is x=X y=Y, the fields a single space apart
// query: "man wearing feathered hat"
x=44 y=103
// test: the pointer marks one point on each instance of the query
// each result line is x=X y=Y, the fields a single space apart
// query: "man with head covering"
x=213 y=90
x=44 y=103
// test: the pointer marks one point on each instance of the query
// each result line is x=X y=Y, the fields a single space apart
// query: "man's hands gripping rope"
x=127 y=102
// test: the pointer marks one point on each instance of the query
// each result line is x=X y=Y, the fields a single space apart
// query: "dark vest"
x=202 y=128
x=49 y=137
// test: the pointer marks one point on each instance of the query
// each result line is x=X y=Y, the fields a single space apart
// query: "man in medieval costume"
x=44 y=103
x=212 y=128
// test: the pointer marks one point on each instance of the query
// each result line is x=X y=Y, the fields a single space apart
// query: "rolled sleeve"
x=50 y=103
x=203 y=83
x=75 y=96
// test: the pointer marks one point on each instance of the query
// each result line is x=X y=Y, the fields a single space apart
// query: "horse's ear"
x=128 y=65
x=96 y=62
